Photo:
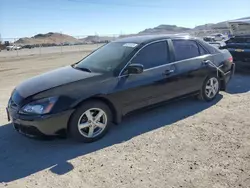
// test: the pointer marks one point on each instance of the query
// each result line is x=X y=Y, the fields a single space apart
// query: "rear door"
x=191 y=66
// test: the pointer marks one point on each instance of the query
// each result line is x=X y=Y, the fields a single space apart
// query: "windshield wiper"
x=81 y=68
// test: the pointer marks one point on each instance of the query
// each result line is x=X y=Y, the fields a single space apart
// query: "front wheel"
x=210 y=88
x=90 y=121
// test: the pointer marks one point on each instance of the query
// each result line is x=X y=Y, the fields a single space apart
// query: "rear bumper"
x=229 y=74
x=226 y=77
x=242 y=57
x=243 y=64
x=49 y=125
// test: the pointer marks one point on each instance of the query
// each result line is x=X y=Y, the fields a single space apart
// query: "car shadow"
x=240 y=83
x=21 y=156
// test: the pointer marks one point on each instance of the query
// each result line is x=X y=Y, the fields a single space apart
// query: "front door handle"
x=168 y=72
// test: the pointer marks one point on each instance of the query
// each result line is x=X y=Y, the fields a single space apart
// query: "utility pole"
x=61 y=42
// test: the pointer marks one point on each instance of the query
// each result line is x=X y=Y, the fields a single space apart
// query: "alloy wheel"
x=212 y=87
x=92 y=122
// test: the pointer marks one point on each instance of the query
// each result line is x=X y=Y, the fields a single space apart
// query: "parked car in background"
x=28 y=46
x=218 y=44
x=219 y=37
x=209 y=39
x=84 y=99
x=2 y=47
x=239 y=44
x=13 y=47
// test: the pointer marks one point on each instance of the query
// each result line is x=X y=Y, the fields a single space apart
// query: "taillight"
x=230 y=59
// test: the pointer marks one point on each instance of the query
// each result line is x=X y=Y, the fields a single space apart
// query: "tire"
x=204 y=92
x=81 y=127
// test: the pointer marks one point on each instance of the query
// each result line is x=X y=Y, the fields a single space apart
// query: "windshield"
x=106 y=58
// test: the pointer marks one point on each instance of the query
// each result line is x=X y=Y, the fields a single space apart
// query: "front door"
x=140 y=90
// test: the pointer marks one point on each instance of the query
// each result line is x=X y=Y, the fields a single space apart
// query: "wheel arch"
x=221 y=77
x=222 y=81
x=215 y=72
x=115 y=111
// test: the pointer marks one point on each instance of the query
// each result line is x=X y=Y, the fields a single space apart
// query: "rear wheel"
x=210 y=88
x=90 y=122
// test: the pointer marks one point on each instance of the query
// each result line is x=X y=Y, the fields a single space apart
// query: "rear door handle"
x=205 y=62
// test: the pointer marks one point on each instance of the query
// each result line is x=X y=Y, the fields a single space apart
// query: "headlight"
x=42 y=106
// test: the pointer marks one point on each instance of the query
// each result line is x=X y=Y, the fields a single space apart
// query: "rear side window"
x=185 y=49
x=202 y=50
x=153 y=55
x=211 y=49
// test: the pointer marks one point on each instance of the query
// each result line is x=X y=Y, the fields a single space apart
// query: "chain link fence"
x=52 y=43
x=61 y=43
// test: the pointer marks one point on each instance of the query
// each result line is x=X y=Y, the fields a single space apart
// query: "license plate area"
x=239 y=50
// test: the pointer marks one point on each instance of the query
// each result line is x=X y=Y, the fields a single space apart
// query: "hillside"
x=171 y=29
x=96 y=39
x=48 y=38
x=165 y=29
x=58 y=38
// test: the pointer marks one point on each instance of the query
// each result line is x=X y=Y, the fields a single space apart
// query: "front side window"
x=185 y=49
x=153 y=55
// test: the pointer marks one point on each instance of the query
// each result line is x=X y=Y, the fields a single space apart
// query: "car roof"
x=152 y=38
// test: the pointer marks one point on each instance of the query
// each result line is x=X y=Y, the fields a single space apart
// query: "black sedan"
x=83 y=99
x=239 y=47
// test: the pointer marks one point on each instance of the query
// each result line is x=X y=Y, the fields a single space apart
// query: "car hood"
x=51 y=79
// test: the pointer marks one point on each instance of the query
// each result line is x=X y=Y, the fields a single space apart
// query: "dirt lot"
x=187 y=144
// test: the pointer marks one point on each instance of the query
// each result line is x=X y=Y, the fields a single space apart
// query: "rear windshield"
x=239 y=40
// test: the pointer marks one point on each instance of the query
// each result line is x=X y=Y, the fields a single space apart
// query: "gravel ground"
x=187 y=144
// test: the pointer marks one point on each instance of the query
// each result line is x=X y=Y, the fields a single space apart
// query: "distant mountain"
x=243 y=18
x=165 y=29
x=171 y=29
x=58 y=38
x=48 y=38
x=220 y=25
x=96 y=39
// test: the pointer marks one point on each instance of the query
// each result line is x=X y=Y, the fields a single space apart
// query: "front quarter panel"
x=70 y=95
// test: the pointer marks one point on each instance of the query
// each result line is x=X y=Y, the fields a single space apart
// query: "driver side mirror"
x=135 y=69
